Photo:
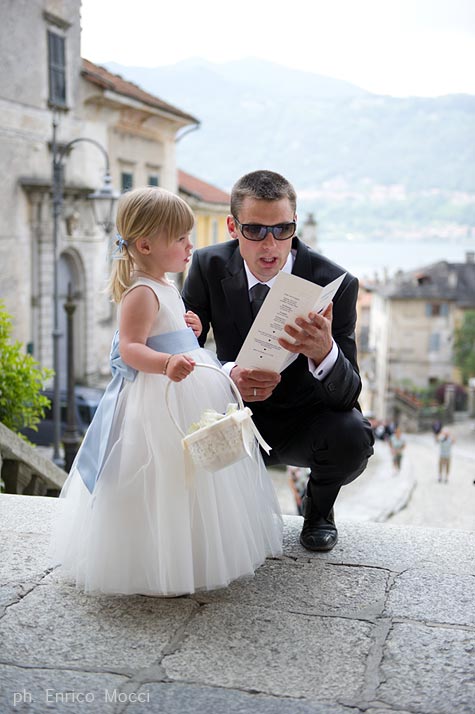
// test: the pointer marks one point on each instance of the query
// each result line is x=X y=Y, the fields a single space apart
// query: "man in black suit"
x=309 y=413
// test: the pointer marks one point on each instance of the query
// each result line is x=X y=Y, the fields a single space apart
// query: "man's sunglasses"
x=255 y=231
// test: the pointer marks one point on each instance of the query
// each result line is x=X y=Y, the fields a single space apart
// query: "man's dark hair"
x=263 y=185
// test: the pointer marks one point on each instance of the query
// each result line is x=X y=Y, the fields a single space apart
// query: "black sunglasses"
x=255 y=231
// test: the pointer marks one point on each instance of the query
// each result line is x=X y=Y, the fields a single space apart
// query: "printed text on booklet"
x=289 y=297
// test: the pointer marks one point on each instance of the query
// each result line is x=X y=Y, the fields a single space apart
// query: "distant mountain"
x=335 y=141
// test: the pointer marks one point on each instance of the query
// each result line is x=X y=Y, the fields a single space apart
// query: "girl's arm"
x=139 y=309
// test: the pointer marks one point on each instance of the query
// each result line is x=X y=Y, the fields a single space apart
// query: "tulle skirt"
x=145 y=529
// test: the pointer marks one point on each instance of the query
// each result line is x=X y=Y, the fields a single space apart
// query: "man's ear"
x=232 y=230
x=143 y=246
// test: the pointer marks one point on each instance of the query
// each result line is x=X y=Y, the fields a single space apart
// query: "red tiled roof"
x=200 y=189
x=114 y=82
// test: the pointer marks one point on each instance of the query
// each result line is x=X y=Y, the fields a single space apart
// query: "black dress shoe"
x=318 y=533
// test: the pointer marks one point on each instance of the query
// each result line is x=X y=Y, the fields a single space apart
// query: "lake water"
x=365 y=258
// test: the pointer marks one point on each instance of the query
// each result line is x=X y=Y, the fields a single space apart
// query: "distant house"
x=413 y=320
x=365 y=353
x=210 y=206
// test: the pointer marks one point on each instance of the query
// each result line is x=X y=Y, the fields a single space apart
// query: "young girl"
x=130 y=522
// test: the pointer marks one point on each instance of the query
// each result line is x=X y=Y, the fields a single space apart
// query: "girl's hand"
x=179 y=367
x=192 y=320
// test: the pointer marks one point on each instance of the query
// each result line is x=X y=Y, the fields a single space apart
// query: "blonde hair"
x=142 y=213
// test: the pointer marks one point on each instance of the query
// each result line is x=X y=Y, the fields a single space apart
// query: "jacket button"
x=331 y=387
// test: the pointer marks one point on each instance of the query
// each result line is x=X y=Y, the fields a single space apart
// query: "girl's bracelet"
x=166 y=364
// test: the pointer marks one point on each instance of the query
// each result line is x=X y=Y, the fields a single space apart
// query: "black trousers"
x=335 y=446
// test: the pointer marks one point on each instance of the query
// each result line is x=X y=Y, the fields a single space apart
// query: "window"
x=153 y=180
x=126 y=181
x=437 y=309
x=56 y=69
x=434 y=342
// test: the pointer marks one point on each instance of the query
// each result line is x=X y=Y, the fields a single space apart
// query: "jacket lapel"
x=303 y=264
x=309 y=265
x=235 y=289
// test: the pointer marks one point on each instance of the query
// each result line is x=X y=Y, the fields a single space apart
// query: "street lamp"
x=103 y=201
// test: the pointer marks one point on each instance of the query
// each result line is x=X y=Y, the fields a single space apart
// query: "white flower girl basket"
x=224 y=442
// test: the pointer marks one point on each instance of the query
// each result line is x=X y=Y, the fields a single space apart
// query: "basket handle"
x=234 y=389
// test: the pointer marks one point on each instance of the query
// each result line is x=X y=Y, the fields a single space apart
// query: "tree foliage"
x=21 y=380
x=464 y=346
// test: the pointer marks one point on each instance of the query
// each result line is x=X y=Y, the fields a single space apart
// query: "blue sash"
x=95 y=446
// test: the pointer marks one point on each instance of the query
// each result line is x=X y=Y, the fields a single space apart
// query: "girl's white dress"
x=142 y=530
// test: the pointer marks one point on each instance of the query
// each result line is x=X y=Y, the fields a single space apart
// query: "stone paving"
x=384 y=623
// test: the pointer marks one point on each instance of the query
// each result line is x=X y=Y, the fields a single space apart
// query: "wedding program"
x=289 y=297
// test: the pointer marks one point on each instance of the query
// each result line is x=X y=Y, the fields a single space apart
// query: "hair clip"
x=120 y=244
x=121 y=241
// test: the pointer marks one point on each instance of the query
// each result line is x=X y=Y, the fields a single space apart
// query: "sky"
x=395 y=47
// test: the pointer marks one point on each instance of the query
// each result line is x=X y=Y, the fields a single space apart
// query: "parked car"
x=86 y=401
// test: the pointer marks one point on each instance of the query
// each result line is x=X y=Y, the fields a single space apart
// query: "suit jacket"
x=216 y=289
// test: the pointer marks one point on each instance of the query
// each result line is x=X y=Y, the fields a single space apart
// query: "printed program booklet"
x=289 y=297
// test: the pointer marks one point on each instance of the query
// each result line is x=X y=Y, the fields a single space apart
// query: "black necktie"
x=258 y=294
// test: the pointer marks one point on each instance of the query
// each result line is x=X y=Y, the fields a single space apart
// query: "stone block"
x=433 y=597
x=173 y=698
x=36 y=691
x=58 y=626
x=26 y=514
x=267 y=651
x=23 y=558
x=313 y=588
x=428 y=669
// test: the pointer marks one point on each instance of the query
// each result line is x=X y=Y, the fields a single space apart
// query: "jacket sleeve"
x=342 y=386
x=196 y=296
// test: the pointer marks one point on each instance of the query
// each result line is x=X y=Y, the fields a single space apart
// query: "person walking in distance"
x=445 y=441
x=397 y=444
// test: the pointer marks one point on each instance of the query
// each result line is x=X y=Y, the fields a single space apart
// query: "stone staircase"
x=24 y=470
x=383 y=624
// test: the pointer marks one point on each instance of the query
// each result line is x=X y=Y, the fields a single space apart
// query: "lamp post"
x=71 y=437
x=103 y=201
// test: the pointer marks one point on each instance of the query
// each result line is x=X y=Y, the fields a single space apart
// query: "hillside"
x=377 y=159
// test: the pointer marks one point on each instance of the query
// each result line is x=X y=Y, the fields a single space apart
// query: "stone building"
x=367 y=397
x=413 y=321
x=43 y=76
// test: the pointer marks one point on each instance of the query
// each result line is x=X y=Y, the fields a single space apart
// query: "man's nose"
x=269 y=239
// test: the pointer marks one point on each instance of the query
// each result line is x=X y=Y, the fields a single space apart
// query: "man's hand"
x=255 y=385
x=313 y=336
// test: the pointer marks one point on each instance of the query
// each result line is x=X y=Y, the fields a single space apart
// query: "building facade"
x=210 y=206
x=412 y=327
x=44 y=78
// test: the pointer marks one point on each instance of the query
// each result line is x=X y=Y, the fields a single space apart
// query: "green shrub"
x=21 y=381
